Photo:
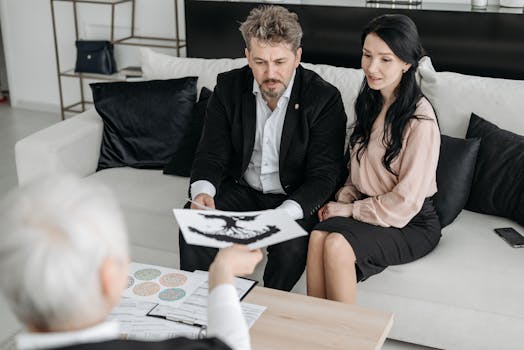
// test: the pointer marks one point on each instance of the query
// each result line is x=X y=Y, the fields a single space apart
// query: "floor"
x=18 y=123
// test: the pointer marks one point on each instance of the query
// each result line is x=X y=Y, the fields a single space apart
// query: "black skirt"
x=378 y=247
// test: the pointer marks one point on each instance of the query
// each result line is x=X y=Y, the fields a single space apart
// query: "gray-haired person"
x=273 y=138
x=63 y=244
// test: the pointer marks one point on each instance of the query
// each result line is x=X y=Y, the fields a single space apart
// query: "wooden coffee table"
x=295 y=321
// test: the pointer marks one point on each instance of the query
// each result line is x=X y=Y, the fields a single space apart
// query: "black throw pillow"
x=144 y=122
x=182 y=160
x=455 y=169
x=498 y=183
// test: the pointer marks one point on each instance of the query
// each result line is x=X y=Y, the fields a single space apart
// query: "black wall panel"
x=477 y=43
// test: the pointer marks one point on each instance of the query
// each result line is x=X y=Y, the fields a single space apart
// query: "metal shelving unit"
x=133 y=40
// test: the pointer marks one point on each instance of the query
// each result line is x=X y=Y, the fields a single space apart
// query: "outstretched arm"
x=225 y=319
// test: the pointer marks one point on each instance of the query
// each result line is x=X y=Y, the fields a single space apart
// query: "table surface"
x=295 y=321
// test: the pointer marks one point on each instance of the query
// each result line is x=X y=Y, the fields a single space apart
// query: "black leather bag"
x=95 y=56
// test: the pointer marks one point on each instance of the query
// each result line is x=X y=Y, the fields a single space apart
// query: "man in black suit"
x=273 y=138
x=64 y=258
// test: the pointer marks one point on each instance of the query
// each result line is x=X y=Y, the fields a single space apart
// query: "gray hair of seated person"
x=272 y=24
x=55 y=234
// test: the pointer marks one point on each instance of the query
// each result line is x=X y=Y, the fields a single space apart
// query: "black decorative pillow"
x=498 y=183
x=456 y=166
x=182 y=160
x=144 y=122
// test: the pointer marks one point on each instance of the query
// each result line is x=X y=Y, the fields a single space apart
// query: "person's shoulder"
x=179 y=343
x=313 y=83
x=233 y=83
x=237 y=74
x=425 y=120
x=424 y=110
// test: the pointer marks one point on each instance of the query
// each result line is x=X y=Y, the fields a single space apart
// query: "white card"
x=218 y=229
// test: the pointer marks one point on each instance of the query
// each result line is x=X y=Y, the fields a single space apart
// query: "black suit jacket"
x=179 y=343
x=312 y=143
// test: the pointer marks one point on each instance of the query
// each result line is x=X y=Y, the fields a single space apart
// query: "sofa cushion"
x=347 y=81
x=160 y=66
x=456 y=166
x=147 y=198
x=498 y=184
x=455 y=96
x=182 y=161
x=471 y=268
x=144 y=121
x=469 y=285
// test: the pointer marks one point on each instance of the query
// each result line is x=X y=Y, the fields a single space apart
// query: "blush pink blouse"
x=383 y=199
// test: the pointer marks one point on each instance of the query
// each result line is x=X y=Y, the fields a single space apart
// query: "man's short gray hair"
x=56 y=233
x=273 y=25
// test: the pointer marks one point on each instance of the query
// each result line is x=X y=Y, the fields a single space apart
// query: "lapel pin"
x=297 y=106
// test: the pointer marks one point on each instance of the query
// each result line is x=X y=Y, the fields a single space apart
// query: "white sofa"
x=467 y=294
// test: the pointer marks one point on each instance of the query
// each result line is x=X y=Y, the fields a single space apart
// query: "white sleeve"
x=292 y=209
x=225 y=319
x=202 y=186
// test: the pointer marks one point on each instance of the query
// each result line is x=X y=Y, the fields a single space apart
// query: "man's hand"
x=204 y=200
x=333 y=209
x=236 y=260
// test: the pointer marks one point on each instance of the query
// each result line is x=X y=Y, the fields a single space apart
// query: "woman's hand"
x=333 y=209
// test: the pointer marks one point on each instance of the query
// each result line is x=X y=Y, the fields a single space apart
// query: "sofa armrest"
x=71 y=146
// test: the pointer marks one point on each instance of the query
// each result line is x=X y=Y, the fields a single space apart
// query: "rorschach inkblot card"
x=218 y=229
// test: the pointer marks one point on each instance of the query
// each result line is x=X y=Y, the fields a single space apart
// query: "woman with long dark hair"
x=384 y=214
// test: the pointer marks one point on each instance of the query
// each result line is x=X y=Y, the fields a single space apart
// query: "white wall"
x=29 y=44
x=29 y=47
x=29 y=51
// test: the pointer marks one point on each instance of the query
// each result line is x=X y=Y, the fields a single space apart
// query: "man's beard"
x=273 y=93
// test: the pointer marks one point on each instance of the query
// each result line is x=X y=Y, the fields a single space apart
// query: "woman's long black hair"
x=401 y=35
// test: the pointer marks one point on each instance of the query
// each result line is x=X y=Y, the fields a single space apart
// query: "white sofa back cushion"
x=159 y=66
x=455 y=96
x=347 y=81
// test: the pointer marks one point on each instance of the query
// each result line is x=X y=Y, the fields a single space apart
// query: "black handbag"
x=95 y=56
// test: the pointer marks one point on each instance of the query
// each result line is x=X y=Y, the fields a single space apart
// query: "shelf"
x=71 y=107
x=111 y=77
x=98 y=2
x=424 y=5
x=132 y=40
x=151 y=42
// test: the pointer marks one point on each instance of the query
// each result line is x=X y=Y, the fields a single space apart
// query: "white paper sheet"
x=136 y=313
x=242 y=285
x=218 y=229
x=134 y=324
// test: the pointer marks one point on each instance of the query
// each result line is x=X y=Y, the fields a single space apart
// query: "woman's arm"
x=417 y=172
x=349 y=192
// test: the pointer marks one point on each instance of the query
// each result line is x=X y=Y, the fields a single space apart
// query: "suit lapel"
x=249 y=118
x=292 y=118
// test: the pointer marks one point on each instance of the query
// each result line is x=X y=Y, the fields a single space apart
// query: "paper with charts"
x=149 y=316
x=160 y=285
x=218 y=229
x=195 y=307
